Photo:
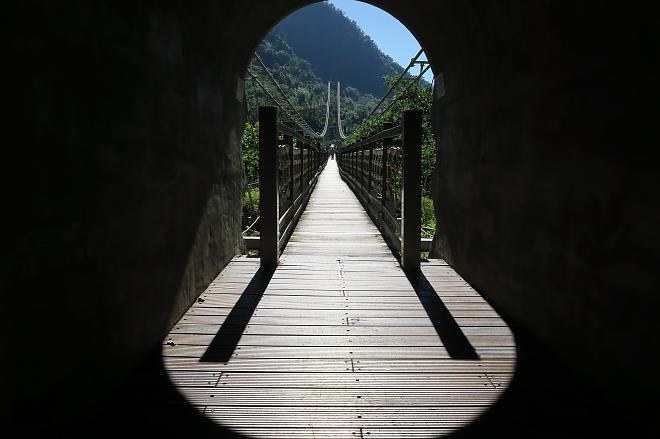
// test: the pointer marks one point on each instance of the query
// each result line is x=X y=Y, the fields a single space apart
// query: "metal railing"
x=289 y=165
x=369 y=165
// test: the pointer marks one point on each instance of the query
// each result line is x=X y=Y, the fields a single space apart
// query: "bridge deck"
x=339 y=342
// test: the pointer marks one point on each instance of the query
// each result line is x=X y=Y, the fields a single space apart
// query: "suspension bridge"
x=339 y=329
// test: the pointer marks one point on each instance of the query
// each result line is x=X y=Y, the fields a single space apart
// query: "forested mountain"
x=337 y=48
x=315 y=45
x=306 y=90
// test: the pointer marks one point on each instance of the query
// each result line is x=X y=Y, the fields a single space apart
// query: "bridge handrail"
x=297 y=135
x=368 y=165
x=289 y=165
x=385 y=134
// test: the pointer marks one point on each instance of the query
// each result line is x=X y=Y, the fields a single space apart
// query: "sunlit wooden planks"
x=339 y=344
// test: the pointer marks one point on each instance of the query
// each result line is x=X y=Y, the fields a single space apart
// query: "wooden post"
x=411 y=196
x=288 y=141
x=310 y=160
x=353 y=164
x=302 y=162
x=370 y=169
x=308 y=148
x=350 y=163
x=362 y=167
x=383 y=168
x=268 y=188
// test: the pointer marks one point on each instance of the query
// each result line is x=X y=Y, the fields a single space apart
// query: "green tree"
x=250 y=150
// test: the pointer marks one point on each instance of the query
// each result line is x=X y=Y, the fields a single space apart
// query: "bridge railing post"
x=349 y=163
x=288 y=141
x=387 y=142
x=370 y=168
x=315 y=154
x=362 y=167
x=411 y=196
x=309 y=159
x=301 y=149
x=268 y=188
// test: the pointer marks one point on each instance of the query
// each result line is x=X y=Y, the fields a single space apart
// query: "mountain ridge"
x=317 y=44
x=337 y=48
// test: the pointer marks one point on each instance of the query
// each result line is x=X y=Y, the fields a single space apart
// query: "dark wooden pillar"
x=288 y=141
x=362 y=167
x=383 y=168
x=354 y=173
x=411 y=196
x=370 y=169
x=268 y=188
x=302 y=162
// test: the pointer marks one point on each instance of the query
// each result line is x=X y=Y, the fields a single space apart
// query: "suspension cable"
x=413 y=62
x=254 y=77
x=339 y=127
x=405 y=90
x=296 y=115
x=327 y=112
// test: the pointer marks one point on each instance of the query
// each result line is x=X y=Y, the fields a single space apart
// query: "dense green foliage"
x=251 y=209
x=250 y=150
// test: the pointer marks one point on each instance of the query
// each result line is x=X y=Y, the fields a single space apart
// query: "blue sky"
x=392 y=37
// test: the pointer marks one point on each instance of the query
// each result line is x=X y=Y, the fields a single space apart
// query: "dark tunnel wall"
x=126 y=199
x=127 y=184
x=545 y=173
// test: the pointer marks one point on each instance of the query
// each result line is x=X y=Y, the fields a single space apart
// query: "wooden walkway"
x=339 y=343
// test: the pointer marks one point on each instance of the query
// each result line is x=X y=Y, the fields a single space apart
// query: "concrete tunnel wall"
x=127 y=175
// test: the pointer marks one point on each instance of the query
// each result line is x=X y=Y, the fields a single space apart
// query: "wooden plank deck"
x=338 y=343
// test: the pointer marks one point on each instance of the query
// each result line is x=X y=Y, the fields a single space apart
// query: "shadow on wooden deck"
x=225 y=341
x=544 y=400
x=456 y=343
